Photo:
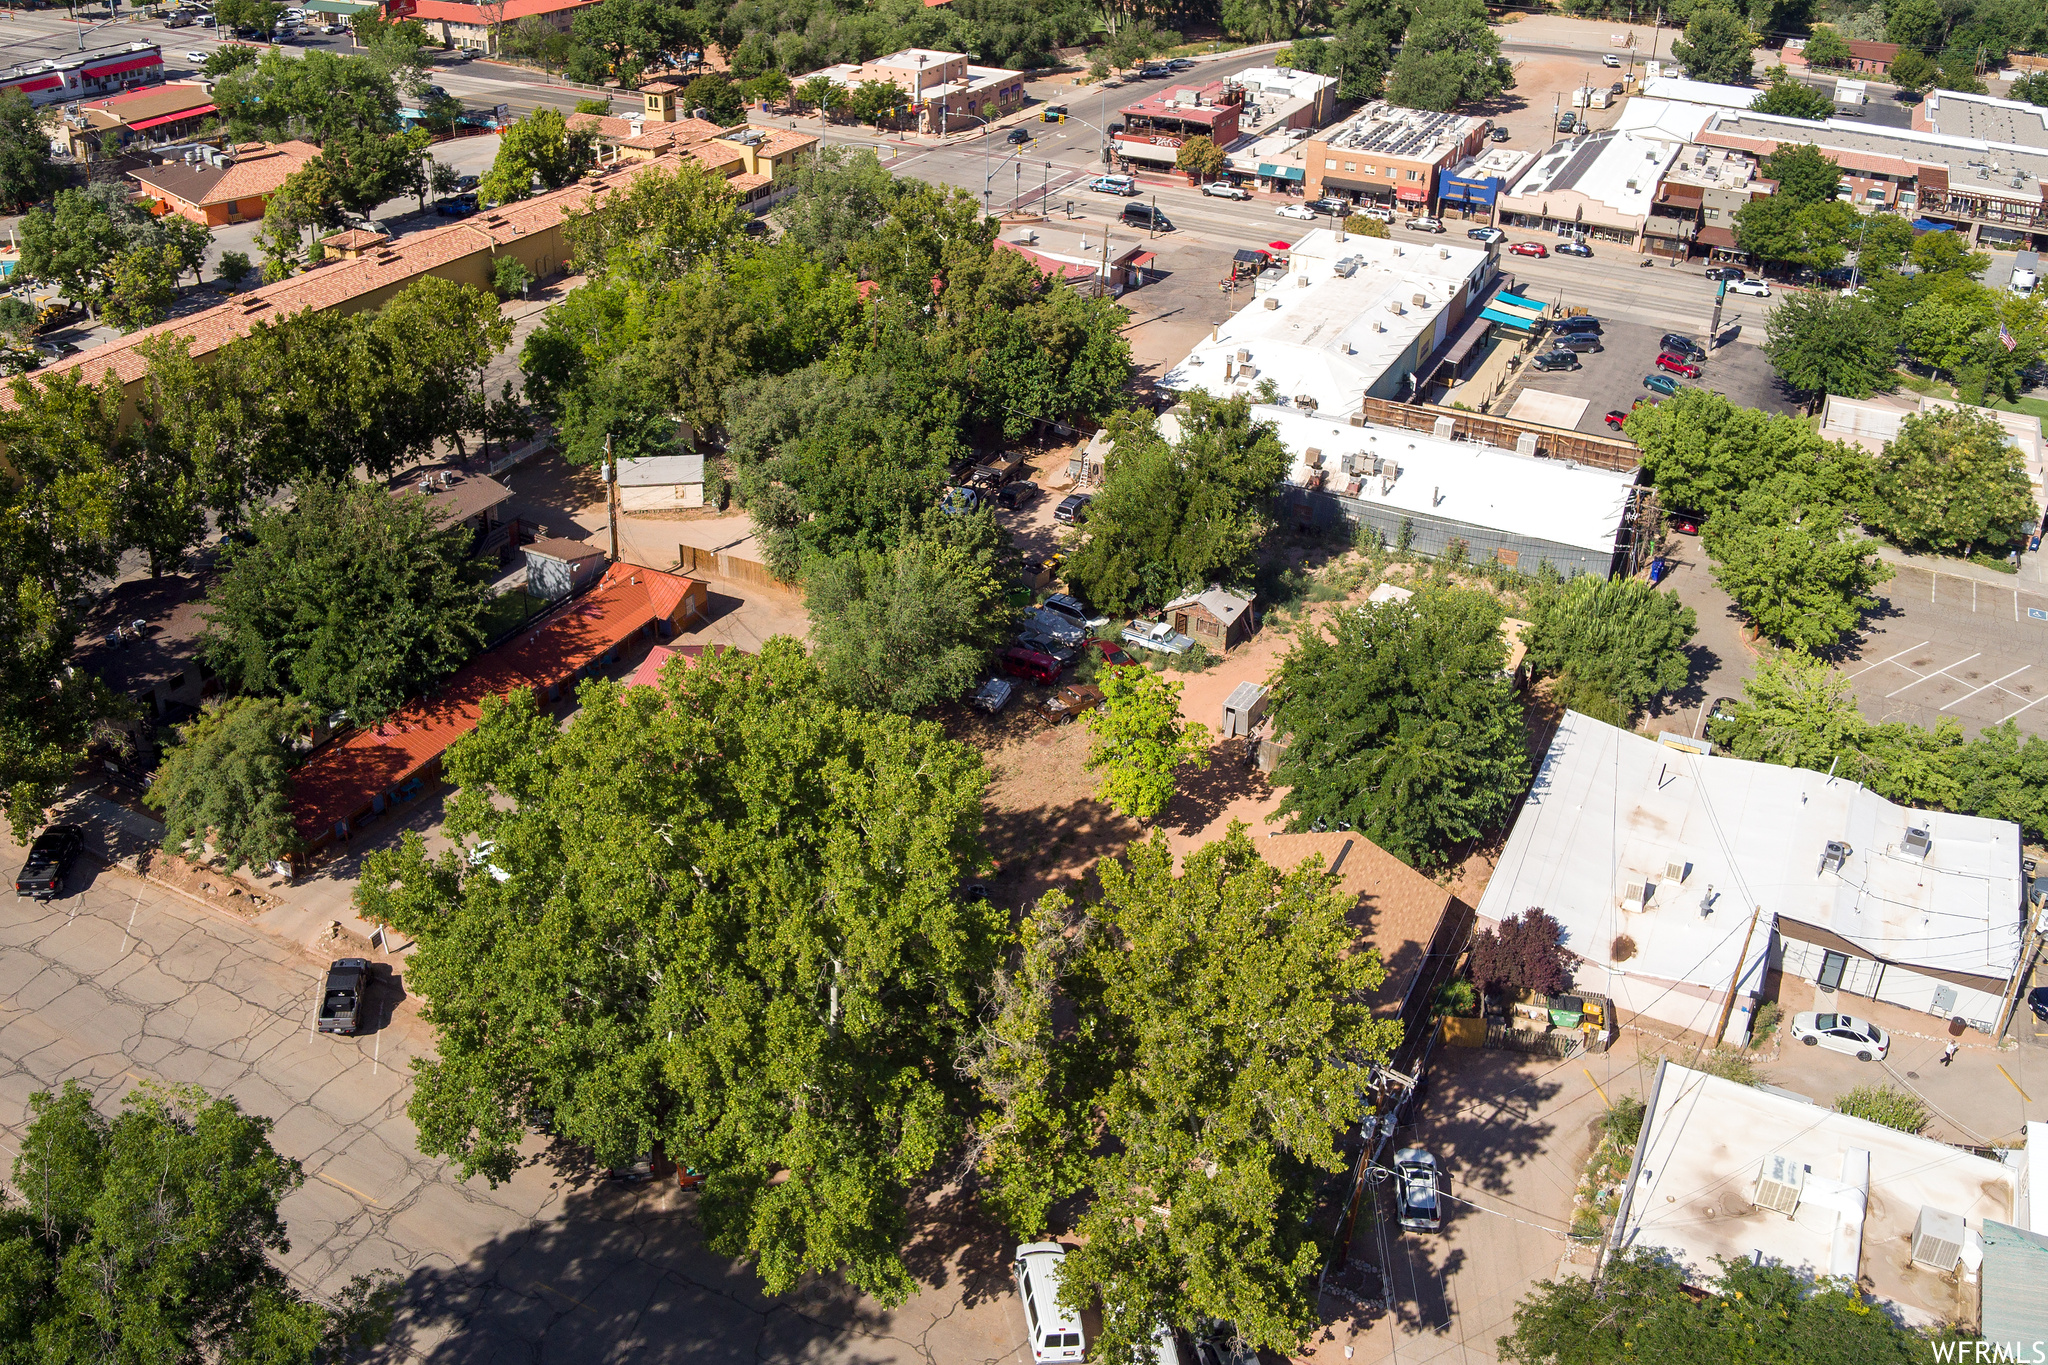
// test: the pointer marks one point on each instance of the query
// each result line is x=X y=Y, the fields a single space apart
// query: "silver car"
x=1421 y=1193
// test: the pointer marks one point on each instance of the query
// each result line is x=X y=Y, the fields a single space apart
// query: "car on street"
x=1614 y=419
x=1644 y=401
x=1146 y=216
x=1421 y=1193
x=993 y=695
x=1724 y=272
x=341 y=999
x=196 y=58
x=1675 y=364
x=1609 y=59
x=1052 y=113
x=1677 y=343
x=1029 y=664
x=1485 y=234
x=1574 y=249
x=1498 y=135
x=1536 y=249
x=1685 y=523
x=1223 y=189
x=1181 y=64
x=1017 y=137
x=1055 y=1332
x=1114 y=184
x=1073 y=509
x=457 y=206
x=1755 y=289
x=49 y=862
x=1559 y=359
x=1299 y=212
x=1378 y=215
x=1860 y=1038
x=1423 y=225
x=1113 y=654
x=1660 y=383
x=1329 y=205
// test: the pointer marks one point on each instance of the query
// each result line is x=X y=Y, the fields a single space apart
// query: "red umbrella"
x=1279 y=246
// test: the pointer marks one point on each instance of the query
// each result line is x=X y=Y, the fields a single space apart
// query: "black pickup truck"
x=49 y=860
x=341 y=1004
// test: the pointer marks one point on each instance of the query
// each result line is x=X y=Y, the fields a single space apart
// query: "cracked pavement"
x=122 y=982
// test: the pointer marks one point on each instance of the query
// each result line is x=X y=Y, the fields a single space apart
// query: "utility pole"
x=2029 y=941
x=611 y=493
x=1728 y=1005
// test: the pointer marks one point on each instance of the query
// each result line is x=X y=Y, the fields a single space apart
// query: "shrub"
x=1622 y=949
x=1729 y=1066
x=1625 y=1120
x=1525 y=953
x=1765 y=1023
x=1884 y=1104
x=509 y=277
x=1458 y=999
x=233 y=267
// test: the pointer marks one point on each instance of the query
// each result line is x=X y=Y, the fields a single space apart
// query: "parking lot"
x=1611 y=378
x=1947 y=646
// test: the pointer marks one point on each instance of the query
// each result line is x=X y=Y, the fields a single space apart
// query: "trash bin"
x=1657 y=570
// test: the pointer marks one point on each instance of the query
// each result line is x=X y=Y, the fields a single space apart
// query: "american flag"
x=2005 y=335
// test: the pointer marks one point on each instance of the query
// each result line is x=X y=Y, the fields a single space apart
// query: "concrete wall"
x=1889 y=982
x=1432 y=535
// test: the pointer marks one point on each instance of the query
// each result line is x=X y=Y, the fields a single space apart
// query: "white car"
x=1054 y=1332
x=1300 y=212
x=1859 y=1038
x=1223 y=189
x=1609 y=59
x=1113 y=184
x=1756 y=289
x=196 y=58
x=1420 y=1191
x=1377 y=215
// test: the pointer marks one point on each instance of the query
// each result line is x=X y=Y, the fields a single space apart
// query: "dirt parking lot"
x=1611 y=379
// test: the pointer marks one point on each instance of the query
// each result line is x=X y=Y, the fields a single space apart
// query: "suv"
x=1145 y=216
x=1017 y=137
x=1581 y=342
x=1073 y=509
x=1029 y=664
x=1677 y=365
x=1724 y=272
x=1069 y=606
x=1579 y=322
x=1485 y=234
x=1682 y=346
x=1423 y=225
x=1557 y=360
x=1327 y=204
x=49 y=862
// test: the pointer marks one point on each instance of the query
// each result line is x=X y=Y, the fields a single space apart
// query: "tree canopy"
x=1828 y=343
x=731 y=924
x=1793 y=563
x=1950 y=481
x=1449 y=57
x=25 y=170
x=1787 y=94
x=1718 y=46
x=227 y=780
x=1139 y=741
x=1614 y=644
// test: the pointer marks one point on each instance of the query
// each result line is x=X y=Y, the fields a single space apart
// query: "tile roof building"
x=221 y=187
x=480 y=28
x=361 y=774
x=944 y=91
x=160 y=113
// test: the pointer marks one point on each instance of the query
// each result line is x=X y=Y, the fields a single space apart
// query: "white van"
x=1055 y=1333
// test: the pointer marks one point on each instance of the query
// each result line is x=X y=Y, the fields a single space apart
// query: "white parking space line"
x=1988 y=686
x=2028 y=707
x=1882 y=662
x=1926 y=677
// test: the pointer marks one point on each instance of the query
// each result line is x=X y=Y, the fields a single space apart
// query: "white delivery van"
x=1055 y=1333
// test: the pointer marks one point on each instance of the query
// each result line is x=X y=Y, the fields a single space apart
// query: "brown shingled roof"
x=1398 y=908
x=256 y=171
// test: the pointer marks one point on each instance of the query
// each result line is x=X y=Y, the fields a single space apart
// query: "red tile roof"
x=340 y=779
x=649 y=672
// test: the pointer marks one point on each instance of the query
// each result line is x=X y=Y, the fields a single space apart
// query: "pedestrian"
x=1948 y=1054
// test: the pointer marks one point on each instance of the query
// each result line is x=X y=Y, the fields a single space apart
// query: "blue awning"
x=1514 y=320
x=1281 y=172
x=1929 y=225
x=1518 y=301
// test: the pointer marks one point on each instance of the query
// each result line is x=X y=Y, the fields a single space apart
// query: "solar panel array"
x=1404 y=137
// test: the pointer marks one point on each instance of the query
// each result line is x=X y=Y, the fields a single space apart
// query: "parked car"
x=1011 y=496
x=1063 y=704
x=1328 y=204
x=1159 y=635
x=1578 y=322
x=457 y=206
x=1581 y=342
x=993 y=695
x=1644 y=400
x=342 y=998
x=49 y=862
x=1054 y=1332
x=958 y=502
x=1660 y=383
x=1677 y=364
x=1574 y=249
x=1421 y=1207
x=1485 y=234
x=1498 y=135
x=1030 y=665
x=1685 y=523
x=1145 y=216
x=1060 y=651
x=1536 y=249
x=1568 y=123
x=1614 y=419
x=1113 y=655
x=1017 y=137
x=1724 y=272
x=1053 y=626
x=1299 y=212
x=1223 y=189
x=2037 y=1001
x=1556 y=360
x=1860 y=1038
x=1677 y=343
x=1423 y=225
x=1073 y=608
x=1755 y=289
x=1073 y=509
x=1609 y=59
x=1374 y=212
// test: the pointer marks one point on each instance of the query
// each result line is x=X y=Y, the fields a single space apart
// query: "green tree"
x=873 y=101
x=141 y=287
x=1642 y=1307
x=74 y=244
x=1450 y=56
x=1615 y=640
x=227 y=780
x=1704 y=452
x=1400 y=724
x=1266 y=21
x=632 y=36
x=1913 y=23
x=1796 y=711
x=1826 y=49
x=315 y=96
x=1718 y=46
x=823 y=94
x=1804 y=174
x=1200 y=157
x=833 y=200
x=509 y=277
x=1822 y=342
x=2033 y=88
x=770 y=87
x=227 y=58
x=596 y=104
x=1139 y=742
x=539 y=151
x=900 y=629
x=1358 y=225
x=1912 y=70
x=1788 y=95
x=719 y=96
x=355 y=600
x=731 y=923
x=1951 y=481
x=1963 y=328
x=659 y=227
x=25 y=170
x=1793 y=564
x=1174 y=517
x=308 y=202
x=232 y=268
x=1220 y=1037
x=2001 y=776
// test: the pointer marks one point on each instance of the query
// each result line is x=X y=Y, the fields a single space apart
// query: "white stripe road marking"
x=1939 y=672
x=2028 y=707
x=1882 y=662
x=1993 y=683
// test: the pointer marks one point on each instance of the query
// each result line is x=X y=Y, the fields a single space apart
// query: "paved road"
x=122 y=983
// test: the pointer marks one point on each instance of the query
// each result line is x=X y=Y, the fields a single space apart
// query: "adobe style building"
x=943 y=90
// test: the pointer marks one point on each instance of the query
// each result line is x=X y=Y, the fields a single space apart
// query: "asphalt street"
x=123 y=983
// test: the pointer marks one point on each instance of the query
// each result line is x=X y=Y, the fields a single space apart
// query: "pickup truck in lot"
x=49 y=861
x=341 y=1002
x=1159 y=635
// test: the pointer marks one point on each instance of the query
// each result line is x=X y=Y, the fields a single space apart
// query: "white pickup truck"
x=1159 y=635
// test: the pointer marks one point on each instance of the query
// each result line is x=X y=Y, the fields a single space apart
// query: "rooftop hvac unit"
x=1675 y=872
x=1778 y=1184
x=1833 y=856
x=1917 y=844
x=1938 y=1238
x=1419 y=300
x=1389 y=471
x=1443 y=253
x=1313 y=456
x=1394 y=307
x=1243 y=355
x=1272 y=302
x=1525 y=444
x=1444 y=427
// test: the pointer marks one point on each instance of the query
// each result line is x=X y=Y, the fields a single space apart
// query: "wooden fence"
x=701 y=563
x=1559 y=1043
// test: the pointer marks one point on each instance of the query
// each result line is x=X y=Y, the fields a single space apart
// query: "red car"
x=1615 y=419
x=1529 y=249
x=1685 y=524
x=1113 y=654
x=1678 y=365
x=1029 y=664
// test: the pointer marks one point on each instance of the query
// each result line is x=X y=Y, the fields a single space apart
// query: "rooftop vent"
x=1938 y=1238
x=1917 y=843
x=1420 y=300
x=1525 y=444
x=1833 y=856
x=1243 y=355
x=1313 y=456
x=1778 y=1185
x=1394 y=307
x=1444 y=427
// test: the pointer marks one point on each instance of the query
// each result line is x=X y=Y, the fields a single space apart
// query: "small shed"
x=661 y=484
x=557 y=567
x=1215 y=619
x=1243 y=709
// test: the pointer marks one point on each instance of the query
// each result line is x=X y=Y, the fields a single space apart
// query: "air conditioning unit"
x=1833 y=856
x=1938 y=1238
x=1444 y=428
x=1675 y=872
x=1778 y=1184
x=1917 y=843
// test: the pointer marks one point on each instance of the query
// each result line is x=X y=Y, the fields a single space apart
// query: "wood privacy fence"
x=700 y=563
x=1559 y=1043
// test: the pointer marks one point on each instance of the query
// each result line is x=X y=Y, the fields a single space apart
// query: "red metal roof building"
x=360 y=775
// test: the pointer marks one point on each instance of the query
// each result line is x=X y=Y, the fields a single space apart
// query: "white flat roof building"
x=1346 y=320
x=1731 y=1171
x=1625 y=837
x=1280 y=96
x=1699 y=92
x=1606 y=180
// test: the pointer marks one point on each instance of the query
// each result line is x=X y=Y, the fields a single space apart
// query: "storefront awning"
x=162 y=119
x=41 y=83
x=122 y=68
x=1519 y=300
x=1514 y=320
x=1281 y=172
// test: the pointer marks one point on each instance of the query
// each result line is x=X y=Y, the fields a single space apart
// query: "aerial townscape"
x=1021 y=682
